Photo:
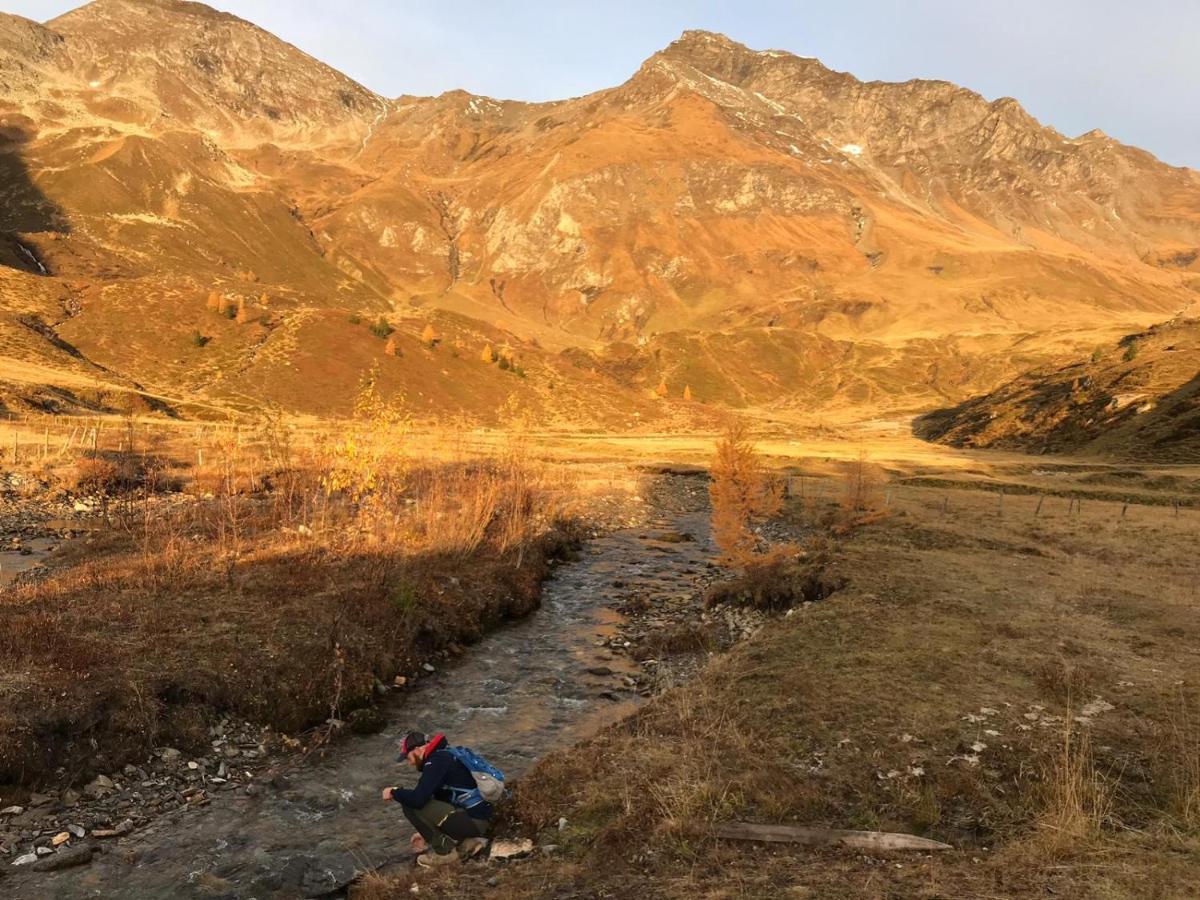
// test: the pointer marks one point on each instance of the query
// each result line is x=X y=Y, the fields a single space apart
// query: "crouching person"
x=447 y=807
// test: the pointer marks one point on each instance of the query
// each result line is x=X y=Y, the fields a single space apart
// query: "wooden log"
x=823 y=837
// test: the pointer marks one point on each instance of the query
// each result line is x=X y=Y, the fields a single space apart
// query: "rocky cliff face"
x=720 y=197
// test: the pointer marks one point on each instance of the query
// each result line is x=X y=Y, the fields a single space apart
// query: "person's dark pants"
x=444 y=826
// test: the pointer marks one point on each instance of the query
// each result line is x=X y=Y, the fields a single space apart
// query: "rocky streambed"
x=244 y=821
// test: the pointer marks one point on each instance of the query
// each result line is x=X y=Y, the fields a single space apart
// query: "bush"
x=777 y=580
x=1131 y=352
x=199 y=340
x=382 y=329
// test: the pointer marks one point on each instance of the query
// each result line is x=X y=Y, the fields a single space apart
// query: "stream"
x=15 y=562
x=521 y=692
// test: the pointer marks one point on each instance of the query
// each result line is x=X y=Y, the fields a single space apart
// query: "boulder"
x=66 y=859
x=100 y=786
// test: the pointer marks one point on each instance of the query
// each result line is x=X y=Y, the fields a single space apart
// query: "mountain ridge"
x=720 y=196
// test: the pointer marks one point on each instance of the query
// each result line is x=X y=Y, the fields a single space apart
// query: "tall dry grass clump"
x=1078 y=798
x=1182 y=757
x=742 y=494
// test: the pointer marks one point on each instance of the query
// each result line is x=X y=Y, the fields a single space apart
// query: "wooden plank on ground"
x=824 y=837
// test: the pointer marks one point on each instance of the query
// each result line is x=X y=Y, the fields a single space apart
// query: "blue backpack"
x=489 y=781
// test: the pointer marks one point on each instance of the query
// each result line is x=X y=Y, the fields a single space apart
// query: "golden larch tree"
x=391 y=348
x=429 y=337
x=662 y=390
x=243 y=312
x=687 y=393
x=742 y=493
x=488 y=355
x=214 y=301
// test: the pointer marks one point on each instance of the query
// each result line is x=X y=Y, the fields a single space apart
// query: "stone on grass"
x=511 y=849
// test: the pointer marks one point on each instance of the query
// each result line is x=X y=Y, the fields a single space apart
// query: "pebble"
x=429 y=668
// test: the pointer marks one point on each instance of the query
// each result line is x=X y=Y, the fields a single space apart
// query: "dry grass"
x=1078 y=799
x=930 y=695
x=298 y=577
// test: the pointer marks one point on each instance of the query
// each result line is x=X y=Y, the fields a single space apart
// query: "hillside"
x=773 y=234
x=1139 y=399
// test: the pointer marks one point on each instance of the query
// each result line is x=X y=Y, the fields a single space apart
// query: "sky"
x=1128 y=68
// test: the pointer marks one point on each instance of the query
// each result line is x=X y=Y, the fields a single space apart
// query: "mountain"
x=1137 y=400
x=773 y=234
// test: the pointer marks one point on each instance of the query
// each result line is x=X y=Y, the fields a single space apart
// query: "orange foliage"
x=742 y=494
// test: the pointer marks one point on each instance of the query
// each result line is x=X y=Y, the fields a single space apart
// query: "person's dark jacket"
x=444 y=778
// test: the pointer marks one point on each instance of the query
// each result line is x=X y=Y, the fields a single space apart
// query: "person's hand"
x=387 y=793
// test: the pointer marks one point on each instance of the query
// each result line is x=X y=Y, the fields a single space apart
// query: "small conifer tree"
x=429 y=337
x=662 y=390
x=392 y=349
x=488 y=355
x=687 y=393
x=214 y=301
x=223 y=306
x=243 y=314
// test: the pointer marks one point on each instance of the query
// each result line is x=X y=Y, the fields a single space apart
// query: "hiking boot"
x=433 y=860
x=472 y=847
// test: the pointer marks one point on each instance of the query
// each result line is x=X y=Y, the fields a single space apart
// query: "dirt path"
x=524 y=690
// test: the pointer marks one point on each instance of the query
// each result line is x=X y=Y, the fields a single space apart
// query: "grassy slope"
x=1139 y=405
x=951 y=627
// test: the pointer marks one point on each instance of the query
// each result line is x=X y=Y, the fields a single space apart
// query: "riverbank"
x=303 y=827
x=182 y=646
x=1015 y=681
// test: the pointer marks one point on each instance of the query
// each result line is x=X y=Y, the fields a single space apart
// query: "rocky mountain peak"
x=211 y=69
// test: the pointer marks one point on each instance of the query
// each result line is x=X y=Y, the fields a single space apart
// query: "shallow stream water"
x=521 y=692
x=13 y=562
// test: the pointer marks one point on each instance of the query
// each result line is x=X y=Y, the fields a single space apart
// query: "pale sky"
x=1129 y=67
